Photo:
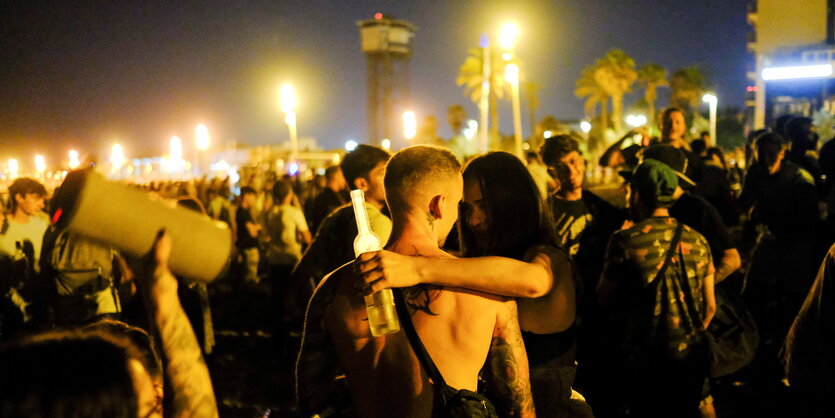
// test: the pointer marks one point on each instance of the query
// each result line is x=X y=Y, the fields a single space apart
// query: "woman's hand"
x=378 y=270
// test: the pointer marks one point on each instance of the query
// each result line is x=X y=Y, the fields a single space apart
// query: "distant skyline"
x=79 y=75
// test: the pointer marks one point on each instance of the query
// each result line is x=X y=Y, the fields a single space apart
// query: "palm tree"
x=652 y=76
x=588 y=88
x=688 y=85
x=615 y=73
x=471 y=75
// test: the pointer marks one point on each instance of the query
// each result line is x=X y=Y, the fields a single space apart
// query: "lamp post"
x=484 y=103
x=409 y=125
x=288 y=106
x=73 y=162
x=201 y=134
x=711 y=100
x=512 y=77
x=40 y=165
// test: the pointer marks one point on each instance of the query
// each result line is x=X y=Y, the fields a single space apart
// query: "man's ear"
x=436 y=206
x=360 y=183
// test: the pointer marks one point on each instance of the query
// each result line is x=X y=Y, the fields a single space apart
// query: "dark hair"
x=138 y=337
x=669 y=111
x=412 y=170
x=331 y=172
x=281 y=189
x=24 y=186
x=781 y=123
x=67 y=374
x=698 y=146
x=769 y=147
x=557 y=147
x=718 y=152
x=359 y=162
x=517 y=218
x=191 y=203
x=795 y=129
x=247 y=190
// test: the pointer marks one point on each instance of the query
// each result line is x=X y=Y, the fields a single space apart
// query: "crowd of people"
x=519 y=290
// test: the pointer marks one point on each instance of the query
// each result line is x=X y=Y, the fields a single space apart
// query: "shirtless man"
x=462 y=330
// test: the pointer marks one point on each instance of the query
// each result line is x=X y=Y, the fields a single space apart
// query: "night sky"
x=86 y=74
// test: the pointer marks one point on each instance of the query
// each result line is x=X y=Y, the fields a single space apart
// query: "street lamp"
x=13 y=168
x=507 y=36
x=288 y=106
x=409 y=125
x=175 y=153
x=350 y=145
x=40 y=164
x=73 y=161
x=511 y=74
x=711 y=100
x=636 y=120
x=585 y=126
x=117 y=157
x=386 y=144
x=201 y=134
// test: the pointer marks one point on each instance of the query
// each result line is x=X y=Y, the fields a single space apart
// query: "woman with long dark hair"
x=503 y=222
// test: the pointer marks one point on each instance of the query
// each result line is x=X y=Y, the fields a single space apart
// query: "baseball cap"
x=673 y=157
x=655 y=179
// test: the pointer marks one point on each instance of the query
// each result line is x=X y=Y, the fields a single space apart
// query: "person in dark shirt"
x=782 y=200
x=803 y=134
x=248 y=229
x=330 y=198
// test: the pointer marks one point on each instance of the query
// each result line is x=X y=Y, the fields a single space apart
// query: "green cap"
x=656 y=180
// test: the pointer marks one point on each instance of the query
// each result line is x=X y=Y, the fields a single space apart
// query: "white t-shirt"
x=32 y=231
x=283 y=224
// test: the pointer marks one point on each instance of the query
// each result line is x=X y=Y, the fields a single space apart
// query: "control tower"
x=386 y=44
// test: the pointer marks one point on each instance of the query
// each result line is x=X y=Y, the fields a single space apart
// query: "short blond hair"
x=416 y=171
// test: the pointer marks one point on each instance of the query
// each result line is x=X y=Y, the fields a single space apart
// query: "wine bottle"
x=382 y=317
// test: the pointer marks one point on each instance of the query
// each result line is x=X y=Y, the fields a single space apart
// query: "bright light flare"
x=175 y=149
x=508 y=35
x=585 y=126
x=709 y=98
x=511 y=73
x=636 y=120
x=350 y=145
x=40 y=163
x=471 y=129
x=13 y=167
x=547 y=134
x=73 y=162
x=202 y=137
x=117 y=156
x=386 y=144
x=409 y=125
x=288 y=98
x=797 y=72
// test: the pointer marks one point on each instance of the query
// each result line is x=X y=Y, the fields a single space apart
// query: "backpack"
x=82 y=273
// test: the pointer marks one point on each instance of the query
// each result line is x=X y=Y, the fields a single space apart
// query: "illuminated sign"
x=791 y=73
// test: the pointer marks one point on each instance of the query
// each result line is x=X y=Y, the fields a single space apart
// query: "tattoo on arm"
x=186 y=369
x=507 y=371
x=420 y=297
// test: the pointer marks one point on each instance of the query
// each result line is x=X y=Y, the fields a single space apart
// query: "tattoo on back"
x=420 y=297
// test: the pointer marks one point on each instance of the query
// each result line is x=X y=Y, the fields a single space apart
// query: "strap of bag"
x=670 y=251
x=414 y=340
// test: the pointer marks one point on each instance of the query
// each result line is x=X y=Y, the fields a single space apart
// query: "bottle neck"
x=361 y=215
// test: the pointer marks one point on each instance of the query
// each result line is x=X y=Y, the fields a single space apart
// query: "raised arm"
x=497 y=275
x=184 y=366
x=506 y=371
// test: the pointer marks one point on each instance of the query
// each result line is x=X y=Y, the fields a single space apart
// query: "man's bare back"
x=459 y=329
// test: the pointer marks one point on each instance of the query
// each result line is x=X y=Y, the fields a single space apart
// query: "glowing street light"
x=712 y=101
x=547 y=134
x=409 y=125
x=636 y=120
x=386 y=144
x=13 y=168
x=508 y=35
x=40 y=164
x=117 y=156
x=288 y=106
x=350 y=145
x=511 y=74
x=201 y=134
x=585 y=126
x=73 y=162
